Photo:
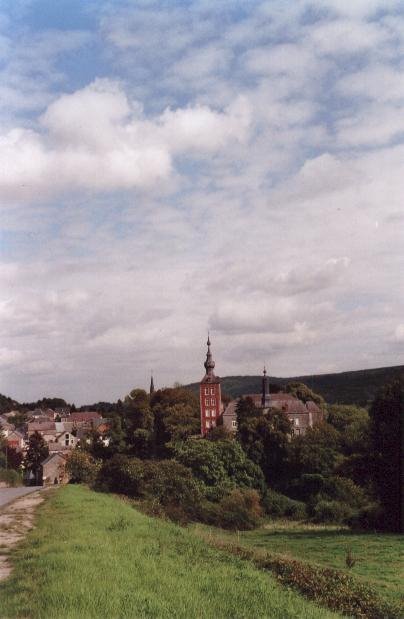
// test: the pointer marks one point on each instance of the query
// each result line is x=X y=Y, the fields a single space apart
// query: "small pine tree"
x=350 y=559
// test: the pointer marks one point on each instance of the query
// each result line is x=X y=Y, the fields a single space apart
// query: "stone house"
x=54 y=469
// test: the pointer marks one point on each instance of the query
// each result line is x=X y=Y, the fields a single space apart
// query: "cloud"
x=235 y=167
x=96 y=139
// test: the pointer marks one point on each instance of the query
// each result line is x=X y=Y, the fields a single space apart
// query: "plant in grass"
x=350 y=560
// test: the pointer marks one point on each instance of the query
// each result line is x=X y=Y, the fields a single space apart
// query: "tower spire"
x=209 y=363
x=151 y=383
x=265 y=389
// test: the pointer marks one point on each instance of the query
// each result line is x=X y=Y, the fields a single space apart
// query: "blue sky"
x=172 y=167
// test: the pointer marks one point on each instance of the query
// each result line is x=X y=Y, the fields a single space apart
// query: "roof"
x=88 y=416
x=57 y=454
x=42 y=426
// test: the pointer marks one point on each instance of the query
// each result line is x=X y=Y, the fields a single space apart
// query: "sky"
x=169 y=168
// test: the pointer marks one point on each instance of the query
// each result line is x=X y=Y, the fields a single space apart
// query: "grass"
x=92 y=555
x=379 y=558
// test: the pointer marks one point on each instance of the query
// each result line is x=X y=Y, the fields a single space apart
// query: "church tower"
x=209 y=395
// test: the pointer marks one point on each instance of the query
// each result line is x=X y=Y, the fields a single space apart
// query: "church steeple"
x=151 y=384
x=209 y=363
x=265 y=390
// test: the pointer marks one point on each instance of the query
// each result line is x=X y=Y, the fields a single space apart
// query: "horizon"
x=173 y=168
x=180 y=384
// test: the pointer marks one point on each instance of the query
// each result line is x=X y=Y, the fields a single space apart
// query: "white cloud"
x=94 y=139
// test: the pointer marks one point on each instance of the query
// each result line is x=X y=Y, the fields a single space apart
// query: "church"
x=302 y=415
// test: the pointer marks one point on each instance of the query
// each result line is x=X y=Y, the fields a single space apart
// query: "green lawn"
x=92 y=555
x=379 y=557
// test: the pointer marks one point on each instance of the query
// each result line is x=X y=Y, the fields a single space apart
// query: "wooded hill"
x=357 y=387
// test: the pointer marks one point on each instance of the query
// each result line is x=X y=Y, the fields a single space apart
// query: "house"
x=15 y=440
x=54 y=469
x=47 y=429
x=302 y=415
x=85 y=420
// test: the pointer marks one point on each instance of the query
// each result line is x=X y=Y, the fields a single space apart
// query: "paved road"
x=9 y=494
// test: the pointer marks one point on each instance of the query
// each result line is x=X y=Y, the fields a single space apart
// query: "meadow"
x=379 y=558
x=94 y=555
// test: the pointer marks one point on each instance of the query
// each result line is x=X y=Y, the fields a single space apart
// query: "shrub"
x=82 y=467
x=369 y=516
x=171 y=484
x=332 y=511
x=10 y=477
x=278 y=505
x=240 y=510
x=123 y=475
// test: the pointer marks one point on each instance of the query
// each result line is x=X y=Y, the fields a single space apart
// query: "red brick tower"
x=209 y=395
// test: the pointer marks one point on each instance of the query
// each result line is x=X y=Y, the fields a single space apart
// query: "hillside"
x=357 y=387
x=117 y=562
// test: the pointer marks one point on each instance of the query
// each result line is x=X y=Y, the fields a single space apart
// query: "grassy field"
x=92 y=555
x=379 y=557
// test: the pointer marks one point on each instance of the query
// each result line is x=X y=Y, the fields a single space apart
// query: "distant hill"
x=358 y=387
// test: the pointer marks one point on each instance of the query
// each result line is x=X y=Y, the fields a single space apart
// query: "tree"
x=82 y=467
x=387 y=438
x=36 y=453
x=304 y=393
x=265 y=440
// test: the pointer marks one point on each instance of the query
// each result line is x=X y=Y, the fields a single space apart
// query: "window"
x=213 y=413
x=213 y=424
x=206 y=402
x=212 y=391
x=296 y=421
x=207 y=412
x=234 y=423
x=207 y=423
x=213 y=401
x=206 y=390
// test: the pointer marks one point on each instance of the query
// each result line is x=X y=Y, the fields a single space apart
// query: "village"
x=61 y=430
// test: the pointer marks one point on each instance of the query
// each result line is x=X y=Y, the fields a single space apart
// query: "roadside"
x=7 y=495
x=16 y=519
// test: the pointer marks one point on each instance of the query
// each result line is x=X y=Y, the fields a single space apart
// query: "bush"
x=82 y=467
x=10 y=477
x=332 y=512
x=278 y=505
x=123 y=475
x=239 y=510
x=369 y=516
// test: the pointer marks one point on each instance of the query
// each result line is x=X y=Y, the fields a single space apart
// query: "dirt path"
x=16 y=519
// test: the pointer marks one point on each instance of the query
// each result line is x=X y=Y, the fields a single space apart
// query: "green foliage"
x=36 y=453
x=332 y=511
x=82 y=467
x=240 y=510
x=387 y=437
x=317 y=451
x=304 y=393
x=11 y=477
x=220 y=466
x=278 y=505
x=123 y=475
x=265 y=440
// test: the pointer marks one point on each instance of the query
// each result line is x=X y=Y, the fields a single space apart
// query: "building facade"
x=210 y=396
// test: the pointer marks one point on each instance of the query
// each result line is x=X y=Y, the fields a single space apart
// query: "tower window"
x=212 y=391
x=206 y=402
x=207 y=413
x=212 y=401
x=206 y=390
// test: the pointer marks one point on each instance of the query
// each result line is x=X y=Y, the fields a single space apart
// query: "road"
x=9 y=494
